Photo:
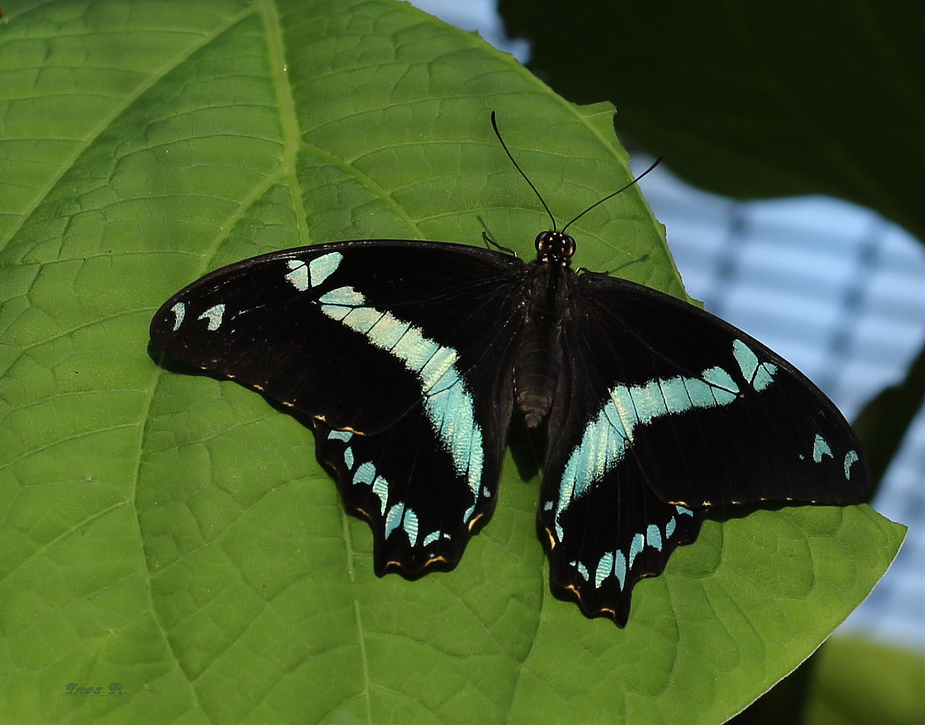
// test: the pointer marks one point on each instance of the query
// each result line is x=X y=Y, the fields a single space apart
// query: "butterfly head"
x=554 y=248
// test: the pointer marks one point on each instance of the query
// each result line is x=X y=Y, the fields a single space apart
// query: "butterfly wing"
x=400 y=352
x=662 y=410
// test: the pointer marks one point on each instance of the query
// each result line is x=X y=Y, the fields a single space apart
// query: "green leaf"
x=174 y=534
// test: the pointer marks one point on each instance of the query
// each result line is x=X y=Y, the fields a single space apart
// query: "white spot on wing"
x=179 y=312
x=381 y=489
x=820 y=449
x=298 y=274
x=213 y=316
x=851 y=457
x=324 y=266
x=340 y=435
x=759 y=375
x=604 y=569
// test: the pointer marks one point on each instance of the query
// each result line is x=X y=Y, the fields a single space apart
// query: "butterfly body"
x=547 y=289
x=410 y=357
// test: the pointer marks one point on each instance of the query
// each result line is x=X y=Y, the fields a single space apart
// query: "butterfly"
x=410 y=358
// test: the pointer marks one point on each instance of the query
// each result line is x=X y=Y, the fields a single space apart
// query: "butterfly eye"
x=554 y=247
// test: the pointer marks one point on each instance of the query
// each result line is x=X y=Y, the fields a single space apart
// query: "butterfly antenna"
x=494 y=125
x=611 y=196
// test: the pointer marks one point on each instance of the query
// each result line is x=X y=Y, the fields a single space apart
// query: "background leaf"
x=172 y=533
x=749 y=99
x=891 y=688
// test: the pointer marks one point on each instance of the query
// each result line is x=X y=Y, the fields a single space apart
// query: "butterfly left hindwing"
x=400 y=352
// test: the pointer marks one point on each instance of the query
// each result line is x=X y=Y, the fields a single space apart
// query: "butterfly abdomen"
x=539 y=353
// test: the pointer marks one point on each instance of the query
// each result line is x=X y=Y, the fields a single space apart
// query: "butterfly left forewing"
x=399 y=352
x=658 y=395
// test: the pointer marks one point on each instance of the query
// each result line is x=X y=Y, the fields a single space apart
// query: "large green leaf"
x=173 y=533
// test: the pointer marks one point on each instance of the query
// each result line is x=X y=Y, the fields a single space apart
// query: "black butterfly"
x=410 y=357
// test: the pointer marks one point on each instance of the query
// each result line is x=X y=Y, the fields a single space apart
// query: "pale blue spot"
x=179 y=312
x=393 y=519
x=440 y=365
x=214 y=316
x=636 y=545
x=623 y=403
x=615 y=418
x=343 y=296
x=700 y=393
x=669 y=527
x=362 y=319
x=850 y=458
x=604 y=569
x=468 y=514
x=684 y=511
x=410 y=525
x=366 y=473
x=674 y=391
x=764 y=377
x=486 y=492
x=348 y=458
x=340 y=435
x=381 y=489
x=620 y=569
x=747 y=360
x=581 y=568
x=430 y=538
x=759 y=375
x=388 y=331
x=414 y=349
x=338 y=303
x=648 y=401
x=722 y=386
x=654 y=537
x=323 y=267
x=297 y=275
x=547 y=506
x=820 y=449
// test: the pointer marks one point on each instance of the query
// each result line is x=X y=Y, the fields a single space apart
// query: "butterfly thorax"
x=539 y=352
